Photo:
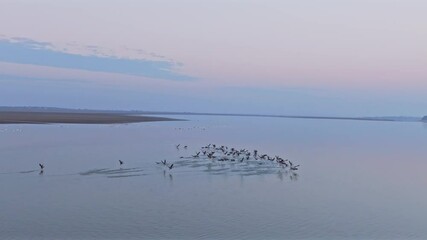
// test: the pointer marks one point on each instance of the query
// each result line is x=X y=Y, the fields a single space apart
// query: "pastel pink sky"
x=361 y=45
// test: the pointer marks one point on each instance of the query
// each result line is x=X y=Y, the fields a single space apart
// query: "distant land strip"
x=14 y=117
x=143 y=114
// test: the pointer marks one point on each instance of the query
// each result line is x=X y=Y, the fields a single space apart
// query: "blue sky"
x=26 y=51
x=327 y=57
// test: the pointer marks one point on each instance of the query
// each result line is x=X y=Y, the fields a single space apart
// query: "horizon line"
x=59 y=109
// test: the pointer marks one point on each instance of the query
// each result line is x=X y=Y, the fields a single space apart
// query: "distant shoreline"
x=14 y=117
x=128 y=116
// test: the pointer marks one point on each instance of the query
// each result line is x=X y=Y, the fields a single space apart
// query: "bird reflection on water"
x=168 y=176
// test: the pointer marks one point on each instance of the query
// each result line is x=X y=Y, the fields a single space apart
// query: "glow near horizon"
x=374 y=45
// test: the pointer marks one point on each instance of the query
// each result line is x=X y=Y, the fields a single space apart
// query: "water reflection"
x=286 y=173
x=337 y=194
x=30 y=171
x=115 y=173
x=168 y=176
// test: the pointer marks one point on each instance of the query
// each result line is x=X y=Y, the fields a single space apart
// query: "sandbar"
x=13 y=117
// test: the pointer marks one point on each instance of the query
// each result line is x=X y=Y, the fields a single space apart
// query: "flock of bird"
x=224 y=154
x=215 y=153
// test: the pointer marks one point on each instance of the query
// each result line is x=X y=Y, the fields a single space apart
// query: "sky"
x=296 y=57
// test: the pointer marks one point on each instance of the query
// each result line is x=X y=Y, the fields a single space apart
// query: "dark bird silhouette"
x=177 y=146
x=162 y=162
x=121 y=162
x=284 y=163
x=41 y=166
x=294 y=168
x=171 y=166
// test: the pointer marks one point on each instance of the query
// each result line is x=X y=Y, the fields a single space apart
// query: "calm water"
x=357 y=180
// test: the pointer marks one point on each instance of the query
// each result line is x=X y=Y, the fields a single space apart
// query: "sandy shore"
x=78 y=118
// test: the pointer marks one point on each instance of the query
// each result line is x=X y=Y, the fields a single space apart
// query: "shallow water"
x=357 y=180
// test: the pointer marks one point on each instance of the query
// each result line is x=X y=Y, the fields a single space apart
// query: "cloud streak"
x=26 y=51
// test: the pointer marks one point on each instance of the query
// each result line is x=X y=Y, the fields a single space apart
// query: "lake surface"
x=357 y=180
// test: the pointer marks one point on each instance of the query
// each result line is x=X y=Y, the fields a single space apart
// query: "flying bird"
x=294 y=168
